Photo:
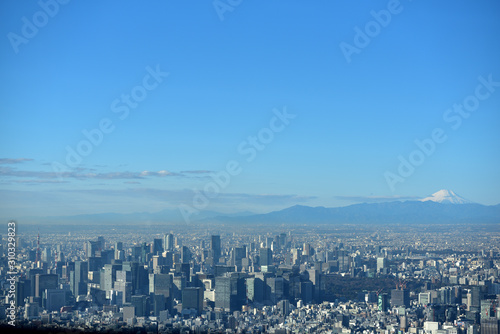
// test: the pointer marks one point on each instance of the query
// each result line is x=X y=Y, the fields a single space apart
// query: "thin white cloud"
x=86 y=173
x=7 y=161
x=375 y=199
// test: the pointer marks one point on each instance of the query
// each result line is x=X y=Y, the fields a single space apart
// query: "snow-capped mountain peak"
x=446 y=197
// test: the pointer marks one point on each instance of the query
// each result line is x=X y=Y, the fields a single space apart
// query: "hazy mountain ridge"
x=442 y=207
x=408 y=212
x=163 y=216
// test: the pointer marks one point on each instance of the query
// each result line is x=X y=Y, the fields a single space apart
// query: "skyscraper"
x=223 y=298
x=230 y=291
x=383 y=303
x=185 y=254
x=92 y=248
x=266 y=256
x=215 y=248
x=45 y=281
x=160 y=284
x=192 y=298
x=157 y=246
x=108 y=276
x=400 y=297
x=168 y=242
x=381 y=264
x=80 y=278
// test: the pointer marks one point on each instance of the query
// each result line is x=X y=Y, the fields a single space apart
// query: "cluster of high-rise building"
x=253 y=283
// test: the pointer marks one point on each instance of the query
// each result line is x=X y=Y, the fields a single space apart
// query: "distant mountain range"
x=442 y=207
x=163 y=216
x=409 y=212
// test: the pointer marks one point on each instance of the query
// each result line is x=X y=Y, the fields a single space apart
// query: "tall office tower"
x=266 y=257
x=124 y=290
x=157 y=246
x=177 y=242
x=276 y=242
x=223 y=296
x=45 y=281
x=283 y=240
x=179 y=283
x=101 y=243
x=54 y=299
x=269 y=242
x=446 y=295
x=140 y=280
x=119 y=255
x=46 y=255
x=343 y=263
x=306 y=249
x=108 y=277
x=59 y=256
x=284 y=307
x=192 y=298
x=168 y=242
x=31 y=275
x=123 y=276
x=296 y=255
x=230 y=291
x=95 y=263
x=23 y=287
x=475 y=298
x=80 y=278
x=185 y=254
x=141 y=305
x=215 y=247
x=145 y=251
x=160 y=284
x=31 y=311
x=237 y=255
x=400 y=297
x=158 y=261
x=255 y=289
x=275 y=287
x=158 y=304
x=92 y=248
x=383 y=302
x=381 y=264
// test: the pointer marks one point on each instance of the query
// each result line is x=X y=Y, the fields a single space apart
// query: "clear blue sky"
x=225 y=77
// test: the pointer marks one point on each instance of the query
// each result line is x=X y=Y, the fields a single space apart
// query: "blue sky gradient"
x=354 y=116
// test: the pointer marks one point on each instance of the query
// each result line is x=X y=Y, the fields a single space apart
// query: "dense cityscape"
x=233 y=166
x=438 y=279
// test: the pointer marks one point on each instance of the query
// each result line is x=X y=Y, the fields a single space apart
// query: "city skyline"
x=255 y=278
x=262 y=107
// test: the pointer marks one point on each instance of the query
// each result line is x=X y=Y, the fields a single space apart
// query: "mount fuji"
x=446 y=197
